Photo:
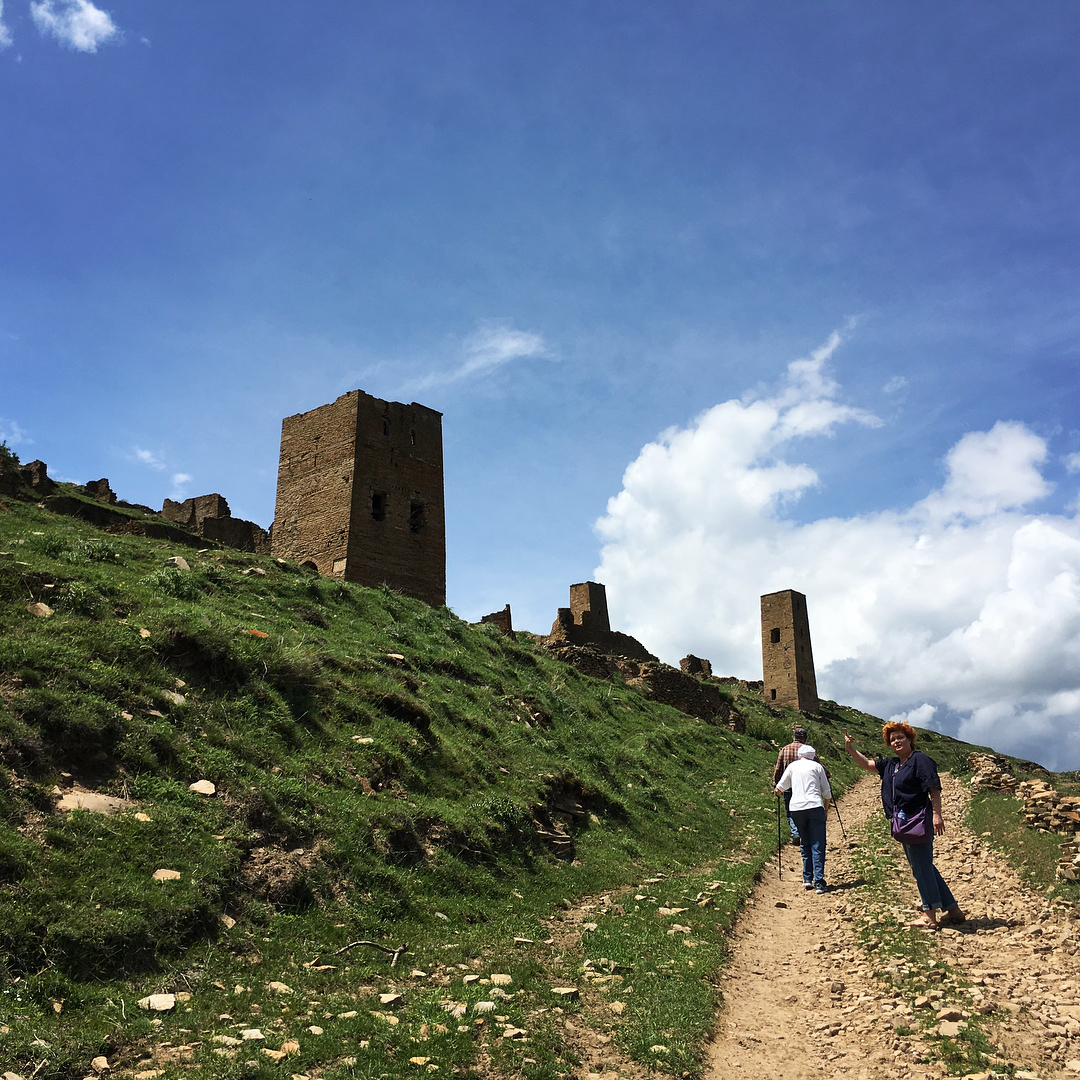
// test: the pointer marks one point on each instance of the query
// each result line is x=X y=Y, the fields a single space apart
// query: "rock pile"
x=1069 y=863
x=1047 y=810
x=991 y=773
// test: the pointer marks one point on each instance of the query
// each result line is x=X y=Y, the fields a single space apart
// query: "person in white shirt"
x=810 y=798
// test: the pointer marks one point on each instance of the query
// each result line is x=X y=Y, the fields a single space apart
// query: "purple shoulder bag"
x=911 y=830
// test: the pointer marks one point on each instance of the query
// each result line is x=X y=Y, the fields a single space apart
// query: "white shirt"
x=807 y=781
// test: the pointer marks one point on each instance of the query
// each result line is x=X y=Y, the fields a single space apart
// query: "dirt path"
x=801 y=998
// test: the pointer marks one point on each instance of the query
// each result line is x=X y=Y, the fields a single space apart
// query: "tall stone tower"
x=786 y=657
x=360 y=494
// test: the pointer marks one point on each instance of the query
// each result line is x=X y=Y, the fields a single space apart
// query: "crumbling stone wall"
x=787 y=659
x=695 y=665
x=191 y=513
x=991 y=772
x=35 y=474
x=96 y=503
x=15 y=479
x=209 y=516
x=100 y=490
x=360 y=494
x=502 y=620
x=695 y=696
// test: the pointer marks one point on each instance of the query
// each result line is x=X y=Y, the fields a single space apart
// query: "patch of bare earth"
x=801 y=1000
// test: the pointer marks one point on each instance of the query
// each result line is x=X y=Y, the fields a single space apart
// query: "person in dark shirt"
x=910 y=784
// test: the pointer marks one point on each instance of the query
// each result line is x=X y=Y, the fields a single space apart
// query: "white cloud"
x=968 y=598
x=13 y=434
x=5 y=31
x=180 y=483
x=897 y=382
x=148 y=457
x=490 y=346
x=920 y=717
x=495 y=344
x=78 y=24
x=1072 y=463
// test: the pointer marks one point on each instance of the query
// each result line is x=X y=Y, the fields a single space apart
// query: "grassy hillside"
x=384 y=772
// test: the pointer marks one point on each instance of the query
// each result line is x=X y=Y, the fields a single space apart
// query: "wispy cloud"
x=5 y=31
x=180 y=483
x=13 y=434
x=1072 y=463
x=78 y=24
x=148 y=457
x=897 y=382
x=493 y=344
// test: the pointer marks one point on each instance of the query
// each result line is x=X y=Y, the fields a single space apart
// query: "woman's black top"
x=917 y=776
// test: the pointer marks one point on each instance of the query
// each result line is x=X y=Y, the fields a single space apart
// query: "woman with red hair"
x=911 y=796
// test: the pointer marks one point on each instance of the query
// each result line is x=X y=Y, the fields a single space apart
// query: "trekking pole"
x=843 y=831
x=779 y=841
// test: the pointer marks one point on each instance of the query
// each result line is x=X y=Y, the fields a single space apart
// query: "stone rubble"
x=990 y=773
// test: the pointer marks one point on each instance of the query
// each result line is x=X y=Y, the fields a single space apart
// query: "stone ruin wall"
x=209 y=516
x=206 y=517
x=501 y=619
x=786 y=655
x=360 y=494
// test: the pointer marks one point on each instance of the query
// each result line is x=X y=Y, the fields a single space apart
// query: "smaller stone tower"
x=787 y=660
x=588 y=606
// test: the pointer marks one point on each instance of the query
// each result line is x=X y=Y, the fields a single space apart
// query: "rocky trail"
x=803 y=997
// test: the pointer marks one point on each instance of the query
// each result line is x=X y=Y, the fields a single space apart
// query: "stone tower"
x=786 y=657
x=360 y=494
x=588 y=606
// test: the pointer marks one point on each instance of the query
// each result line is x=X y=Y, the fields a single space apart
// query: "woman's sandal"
x=923 y=924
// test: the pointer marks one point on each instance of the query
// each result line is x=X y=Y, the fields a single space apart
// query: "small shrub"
x=88 y=551
x=82 y=598
x=503 y=811
x=174 y=582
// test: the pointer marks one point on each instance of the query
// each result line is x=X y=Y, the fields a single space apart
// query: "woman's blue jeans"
x=811 y=826
x=933 y=891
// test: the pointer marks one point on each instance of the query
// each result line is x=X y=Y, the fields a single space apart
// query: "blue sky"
x=573 y=227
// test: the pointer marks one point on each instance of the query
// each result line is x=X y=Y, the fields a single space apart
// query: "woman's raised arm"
x=858 y=758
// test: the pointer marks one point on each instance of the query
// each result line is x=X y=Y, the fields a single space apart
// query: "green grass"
x=999 y=820
x=381 y=768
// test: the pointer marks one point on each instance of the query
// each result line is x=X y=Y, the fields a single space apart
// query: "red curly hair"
x=904 y=729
